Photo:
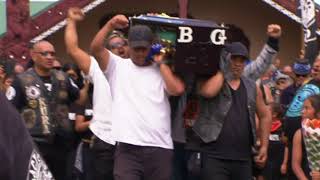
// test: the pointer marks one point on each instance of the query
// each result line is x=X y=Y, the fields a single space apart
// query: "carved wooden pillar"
x=183 y=8
x=15 y=41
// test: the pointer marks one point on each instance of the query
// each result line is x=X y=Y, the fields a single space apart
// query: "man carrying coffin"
x=140 y=118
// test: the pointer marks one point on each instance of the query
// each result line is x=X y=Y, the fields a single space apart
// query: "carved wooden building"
x=25 y=23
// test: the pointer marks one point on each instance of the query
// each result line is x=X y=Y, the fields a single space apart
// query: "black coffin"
x=196 y=43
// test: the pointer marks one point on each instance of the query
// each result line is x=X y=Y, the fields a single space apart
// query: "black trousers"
x=220 y=169
x=56 y=157
x=186 y=163
x=142 y=163
x=103 y=159
x=272 y=170
x=87 y=163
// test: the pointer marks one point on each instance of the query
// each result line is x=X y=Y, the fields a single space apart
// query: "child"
x=311 y=110
x=276 y=166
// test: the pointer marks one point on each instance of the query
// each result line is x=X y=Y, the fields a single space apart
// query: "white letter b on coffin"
x=185 y=35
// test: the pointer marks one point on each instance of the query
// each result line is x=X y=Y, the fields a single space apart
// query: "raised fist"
x=118 y=22
x=75 y=14
x=274 y=30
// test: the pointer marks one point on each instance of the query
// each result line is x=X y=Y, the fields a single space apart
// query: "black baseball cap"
x=140 y=36
x=237 y=49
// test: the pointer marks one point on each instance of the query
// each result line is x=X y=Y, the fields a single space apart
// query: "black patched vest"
x=214 y=110
x=46 y=111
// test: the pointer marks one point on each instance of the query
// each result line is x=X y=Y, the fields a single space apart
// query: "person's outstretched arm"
x=259 y=66
x=97 y=46
x=264 y=115
x=80 y=57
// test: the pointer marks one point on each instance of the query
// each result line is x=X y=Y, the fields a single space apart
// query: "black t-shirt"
x=19 y=157
x=19 y=100
x=47 y=82
x=87 y=112
x=276 y=146
x=235 y=139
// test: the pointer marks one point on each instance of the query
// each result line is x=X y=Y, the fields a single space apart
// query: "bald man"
x=42 y=95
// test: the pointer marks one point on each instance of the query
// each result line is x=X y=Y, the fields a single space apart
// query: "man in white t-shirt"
x=140 y=108
x=100 y=125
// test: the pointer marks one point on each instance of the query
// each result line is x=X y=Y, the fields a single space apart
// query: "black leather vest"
x=46 y=111
x=214 y=110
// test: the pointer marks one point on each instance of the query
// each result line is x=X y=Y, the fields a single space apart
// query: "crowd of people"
x=115 y=115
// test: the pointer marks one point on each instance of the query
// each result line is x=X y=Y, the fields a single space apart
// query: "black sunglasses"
x=46 y=53
x=300 y=75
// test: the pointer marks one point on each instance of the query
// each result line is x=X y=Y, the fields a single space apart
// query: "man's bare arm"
x=212 y=86
x=264 y=114
x=80 y=57
x=175 y=86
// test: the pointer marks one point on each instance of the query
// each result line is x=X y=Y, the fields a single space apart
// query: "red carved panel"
x=54 y=15
x=17 y=29
x=290 y=5
x=22 y=28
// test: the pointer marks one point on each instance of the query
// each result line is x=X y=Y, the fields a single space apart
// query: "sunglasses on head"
x=118 y=44
x=46 y=53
